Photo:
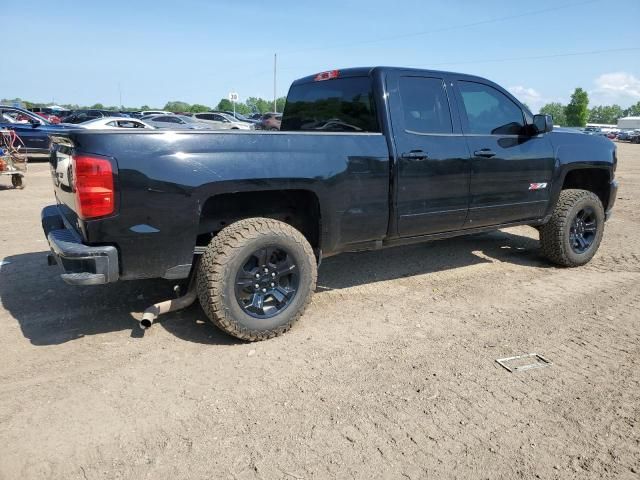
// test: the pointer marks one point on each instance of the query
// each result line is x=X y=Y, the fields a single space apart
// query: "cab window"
x=489 y=111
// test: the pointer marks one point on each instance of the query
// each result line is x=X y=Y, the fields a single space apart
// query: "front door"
x=432 y=157
x=511 y=168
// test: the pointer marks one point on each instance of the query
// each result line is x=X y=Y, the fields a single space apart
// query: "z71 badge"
x=537 y=186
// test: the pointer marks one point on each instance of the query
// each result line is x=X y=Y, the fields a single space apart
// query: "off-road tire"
x=555 y=235
x=220 y=263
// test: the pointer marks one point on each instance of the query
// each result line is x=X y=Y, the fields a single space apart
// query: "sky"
x=197 y=51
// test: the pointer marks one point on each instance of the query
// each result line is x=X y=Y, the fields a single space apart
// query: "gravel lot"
x=390 y=374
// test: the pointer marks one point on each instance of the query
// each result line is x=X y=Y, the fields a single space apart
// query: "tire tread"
x=552 y=241
x=213 y=272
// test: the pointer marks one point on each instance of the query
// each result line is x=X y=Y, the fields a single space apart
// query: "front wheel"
x=572 y=237
x=256 y=278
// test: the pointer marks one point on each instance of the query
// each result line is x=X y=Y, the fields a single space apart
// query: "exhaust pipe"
x=152 y=313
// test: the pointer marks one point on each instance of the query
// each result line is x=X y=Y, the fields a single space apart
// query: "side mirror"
x=543 y=123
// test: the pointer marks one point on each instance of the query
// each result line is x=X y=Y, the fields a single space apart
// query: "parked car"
x=79 y=116
x=611 y=133
x=241 y=118
x=624 y=134
x=634 y=137
x=270 y=121
x=155 y=112
x=255 y=116
x=222 y=121
x=246 y=218
x=46 y=113
x=32 y=129
x=594 y=131
x=174 y=122
x=114 y=122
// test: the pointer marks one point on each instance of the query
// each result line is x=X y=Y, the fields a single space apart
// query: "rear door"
x=510 y=170
x=221 y=122
x=433 y=160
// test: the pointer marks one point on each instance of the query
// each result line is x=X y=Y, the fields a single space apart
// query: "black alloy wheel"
x=267 y=282
x=583 y=230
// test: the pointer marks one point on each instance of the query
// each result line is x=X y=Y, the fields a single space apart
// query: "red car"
x=46 y=113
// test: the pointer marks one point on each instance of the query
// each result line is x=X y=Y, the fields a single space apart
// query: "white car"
x=155 y=112
x=222 y=121
x=106 y=123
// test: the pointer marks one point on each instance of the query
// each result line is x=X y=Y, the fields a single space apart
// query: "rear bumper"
x=82 y=264
x=613 y=192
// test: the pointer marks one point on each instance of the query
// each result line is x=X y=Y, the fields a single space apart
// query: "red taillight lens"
x=93 y=181
x=327 y=75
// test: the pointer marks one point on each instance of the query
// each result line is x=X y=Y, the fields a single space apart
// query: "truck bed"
x=165 y=178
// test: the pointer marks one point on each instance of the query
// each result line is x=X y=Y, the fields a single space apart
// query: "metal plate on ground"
x=524 y=362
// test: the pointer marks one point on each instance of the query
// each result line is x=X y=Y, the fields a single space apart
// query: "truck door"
x=432 y=156
x=510 y=170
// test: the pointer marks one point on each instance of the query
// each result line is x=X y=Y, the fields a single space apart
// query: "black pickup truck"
x=366 y=158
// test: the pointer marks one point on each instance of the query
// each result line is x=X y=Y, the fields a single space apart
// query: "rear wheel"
x=16 y=181
x=572 y=237
x=256 y=278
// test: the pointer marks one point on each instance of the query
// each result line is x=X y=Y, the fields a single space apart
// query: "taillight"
x=327 y=75
x=93 y=182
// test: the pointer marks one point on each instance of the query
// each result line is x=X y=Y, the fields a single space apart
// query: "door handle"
x=485 y=152
x=415 y=155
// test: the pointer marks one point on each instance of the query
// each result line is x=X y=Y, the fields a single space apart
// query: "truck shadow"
x=51 y=312
x=352 y=269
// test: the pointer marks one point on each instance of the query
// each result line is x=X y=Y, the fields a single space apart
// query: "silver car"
x=222 y=121
x=175 y=122
x=108 y=123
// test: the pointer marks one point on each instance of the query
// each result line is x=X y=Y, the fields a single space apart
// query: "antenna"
x=275 y=63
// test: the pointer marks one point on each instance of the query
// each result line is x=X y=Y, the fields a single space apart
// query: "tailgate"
x=62 y=176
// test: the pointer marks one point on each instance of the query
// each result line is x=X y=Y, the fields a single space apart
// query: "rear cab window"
x=425 y=105
x=336 y=105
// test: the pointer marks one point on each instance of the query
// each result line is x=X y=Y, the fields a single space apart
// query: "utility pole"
x=120 y=94
x=275 y=63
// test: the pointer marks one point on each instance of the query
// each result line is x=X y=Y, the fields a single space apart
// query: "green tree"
x=145 y=107
x=198 y=108
x=556 y=110
x=577 y=111
x=177 y=106
x=224 y=105
x=605 y=114
x=261 y=105
x=632 y=111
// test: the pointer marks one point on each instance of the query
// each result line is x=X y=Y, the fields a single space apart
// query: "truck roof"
x=364 y=71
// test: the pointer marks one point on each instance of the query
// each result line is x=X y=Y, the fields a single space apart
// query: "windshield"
x=340 y=105
x=229 y=117
x=187 y=119
x=21 y=116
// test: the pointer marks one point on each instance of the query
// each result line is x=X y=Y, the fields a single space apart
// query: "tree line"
x=250 y=106
x=577 y=112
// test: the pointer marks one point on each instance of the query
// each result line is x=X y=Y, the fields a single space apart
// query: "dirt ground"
x=390 y=374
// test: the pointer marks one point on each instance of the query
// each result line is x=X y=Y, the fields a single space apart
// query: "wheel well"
x=592 y=179
x=298 y=208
